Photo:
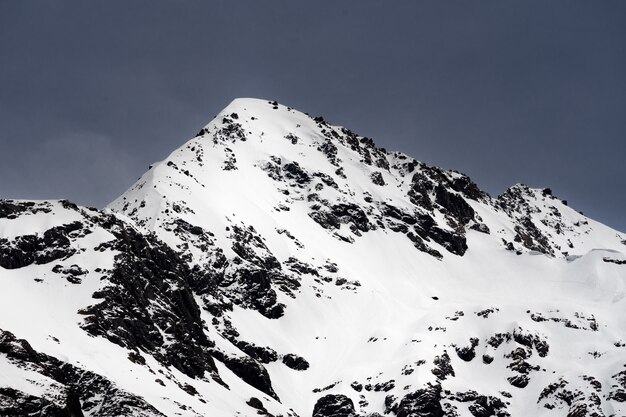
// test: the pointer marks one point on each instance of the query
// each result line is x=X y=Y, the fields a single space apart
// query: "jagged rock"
x=260 y=353
x=249 y=371
x=467 y=353
x=295 y=362
x=377 y=178
x=482 y=405
x=326 y=219
x=425 y=402
x=77 y=390
x=519 y=381
x=443 y=368
x=352 y=214
x=480 y=227
x=454 y=204
x=28 y=249
x=293 y=171
x=334 y=405
x=419 y=194
x=358 y=387
x=467 y=187
x=10 y=209
x=146 y=274
x=426 y=227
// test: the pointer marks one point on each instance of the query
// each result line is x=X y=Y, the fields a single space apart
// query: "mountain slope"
x=279 y=265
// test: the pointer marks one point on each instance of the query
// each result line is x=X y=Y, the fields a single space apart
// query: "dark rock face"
x=329 y=149
x=10 y=209
x=482 y=405
x=618 y=392
x=427 y=229
x=150 y=290
x=377 y=178
x=425 y=402
x=325 y=219
x=614 y=261
x=250 y=371
x=295 y=362
x=78 y=390
x=381 y=386
x=72 y=273
x=256 y=270
x=480 y=227
x=28 y=249
x=353 y=215
x=393 y=212
x=229 y=132
x=514 y=202
x=258 y=292
x=454 y=204
x=467 y=187
x=294 y=172
x=419 y=194
x=580 y=399
x=260 y=353
x=467 y=353
x=258 y=405
x=519 y=381
x=358 y=387
x=18 y=404
x=333 y=405
x=334 y=216
x=442 y=368
x=529 y=236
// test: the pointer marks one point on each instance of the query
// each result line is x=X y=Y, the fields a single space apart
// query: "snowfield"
x=279 y=265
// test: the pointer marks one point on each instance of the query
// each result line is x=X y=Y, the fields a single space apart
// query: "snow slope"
x=280 y=265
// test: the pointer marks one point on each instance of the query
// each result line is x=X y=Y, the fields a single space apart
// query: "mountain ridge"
x=276 y=264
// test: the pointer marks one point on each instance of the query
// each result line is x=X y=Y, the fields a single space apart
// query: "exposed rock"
x=77 y=390
x=467 y=353
x=425 y=402
x=11 y=209
x=519 y=381
x=295 y=362
x=334 y=405
x=149 y=290
x=456 y=206
x=377 y=178
x=482 y=405
x=28 y=249
x=443 y=368
x=249 y=371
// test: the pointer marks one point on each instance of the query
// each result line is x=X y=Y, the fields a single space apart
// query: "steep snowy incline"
x=362 y=278
x=99 y=320
x=277 y=265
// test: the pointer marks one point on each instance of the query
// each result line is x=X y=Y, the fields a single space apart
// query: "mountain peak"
x=277 y=264
x=258 y=153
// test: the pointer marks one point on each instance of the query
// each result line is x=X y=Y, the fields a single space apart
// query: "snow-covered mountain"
x=278 y=265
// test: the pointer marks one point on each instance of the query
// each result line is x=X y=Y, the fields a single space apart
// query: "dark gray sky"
x=93 y=92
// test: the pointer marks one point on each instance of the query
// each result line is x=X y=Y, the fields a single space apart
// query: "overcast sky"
x=92 y=92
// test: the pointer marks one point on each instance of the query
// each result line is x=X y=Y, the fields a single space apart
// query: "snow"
x=367 y=334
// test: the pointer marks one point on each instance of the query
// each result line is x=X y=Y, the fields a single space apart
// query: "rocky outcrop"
x=148 y=304
x=295 y=362
x=333 y=405
x=425 y=402
x=54 y=244
x=73 y=392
